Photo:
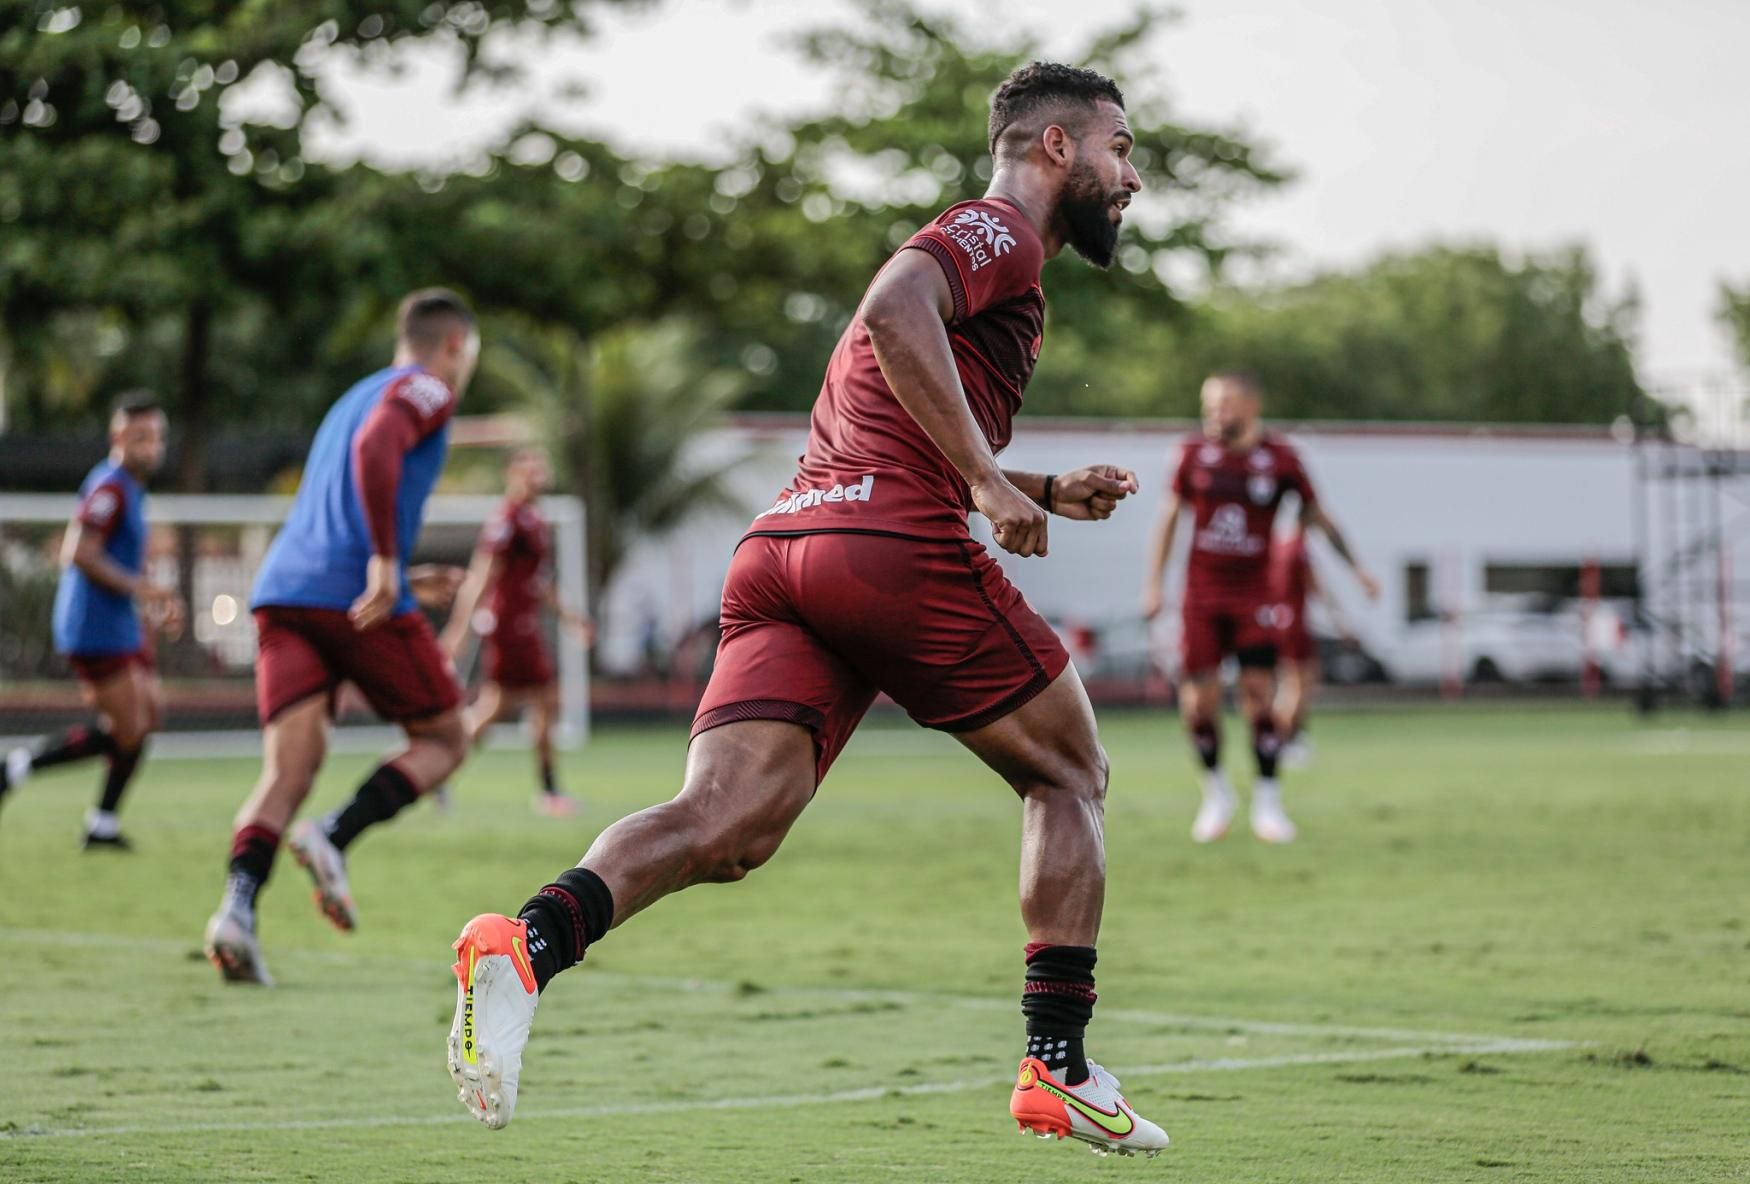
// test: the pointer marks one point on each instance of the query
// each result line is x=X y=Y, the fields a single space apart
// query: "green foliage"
x=624 y=414
x=1441 y=333
x=1733 y=312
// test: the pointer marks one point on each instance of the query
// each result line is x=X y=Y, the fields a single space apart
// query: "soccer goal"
x=210 y=546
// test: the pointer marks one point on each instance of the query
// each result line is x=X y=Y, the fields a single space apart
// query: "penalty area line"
x=1502 y=1047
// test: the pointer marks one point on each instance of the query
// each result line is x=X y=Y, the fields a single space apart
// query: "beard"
x=1086 y=210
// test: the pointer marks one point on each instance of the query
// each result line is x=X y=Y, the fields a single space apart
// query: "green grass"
x=1547 y=908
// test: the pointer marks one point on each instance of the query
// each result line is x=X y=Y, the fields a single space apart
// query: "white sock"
x=1267 y=792
x=1215 y=784
x=18 y=766
x=101 y=824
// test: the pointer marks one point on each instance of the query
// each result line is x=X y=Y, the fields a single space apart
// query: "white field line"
x=849 y=995
x=1423 y=1044
x=771 y=1101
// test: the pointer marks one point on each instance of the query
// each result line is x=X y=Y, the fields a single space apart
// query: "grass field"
x=1513 y=944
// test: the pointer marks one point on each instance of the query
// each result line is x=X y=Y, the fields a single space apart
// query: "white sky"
x=1533 y=122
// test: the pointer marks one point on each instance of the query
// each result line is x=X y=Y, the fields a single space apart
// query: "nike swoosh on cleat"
x=1093 y=1114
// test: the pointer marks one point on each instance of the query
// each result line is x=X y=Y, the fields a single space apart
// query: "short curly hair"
x=1038 y=86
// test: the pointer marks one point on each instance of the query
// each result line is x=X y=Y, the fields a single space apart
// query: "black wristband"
x=1045 y=498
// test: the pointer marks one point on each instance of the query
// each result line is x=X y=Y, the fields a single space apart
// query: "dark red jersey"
x=519 y=537
x=1291 y=578
x=1234 y=497
x=869 y=466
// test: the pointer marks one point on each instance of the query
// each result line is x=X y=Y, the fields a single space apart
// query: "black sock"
x=252 y=852
x=564 y=918
x=1058 y=1002
x=547 y=785
x=1207 y=740
x=1266 y=745
x=122 y=763
x=75 y=744
x=385 y=793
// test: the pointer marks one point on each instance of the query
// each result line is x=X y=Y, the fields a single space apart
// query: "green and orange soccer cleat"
x=495 y=1003
x=1093 y=1111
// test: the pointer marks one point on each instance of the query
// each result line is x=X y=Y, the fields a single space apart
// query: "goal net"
x=210 y=547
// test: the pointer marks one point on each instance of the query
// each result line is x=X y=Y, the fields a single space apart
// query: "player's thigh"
x=937 y=626
x=748 y=781
x=122 y=699
x=400 y=669
x=290 y=665
x=772 y=667
x=1205 y=638
x=294 y=743
x=1050 y=741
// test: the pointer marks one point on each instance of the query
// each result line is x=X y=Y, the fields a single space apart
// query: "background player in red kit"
x=862 y=577
x=1294 y=582
x=334 y=603
x=1233 y=478
x=102 y=594
x=510 y=570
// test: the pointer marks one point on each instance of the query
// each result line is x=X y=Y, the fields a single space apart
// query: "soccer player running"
x=1233 y=477
x=510 y=570
x=333 y=603
x=102 y=594
x=861 y=578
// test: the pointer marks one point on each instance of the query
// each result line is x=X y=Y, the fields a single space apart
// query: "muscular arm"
x=1160 y=549
x=84 y=550
x=378 y=452
x=905 y=313
x=484 y=571
x=1314 y=516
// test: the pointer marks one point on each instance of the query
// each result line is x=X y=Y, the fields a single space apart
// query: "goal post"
x=223 y=539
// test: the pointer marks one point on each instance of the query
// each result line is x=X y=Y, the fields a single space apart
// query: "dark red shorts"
x=815 y=625
x=1211 y=632
x=98 y=668
x=517 y=661
x=397 y=666
x=1294 y=642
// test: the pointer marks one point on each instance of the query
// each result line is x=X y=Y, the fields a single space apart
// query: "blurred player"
x=1294 y=582
x=1233 y=478
x=333 y=603
x=863 y=578
x=510 y=570
x=98 y=605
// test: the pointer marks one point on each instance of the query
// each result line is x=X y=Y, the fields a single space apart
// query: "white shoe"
x=318 y=855
x=1298 y=753
x=1214 y=816
x=495 y=1003
x=230 y=944
x=1094 y=1111
x=1270 y=822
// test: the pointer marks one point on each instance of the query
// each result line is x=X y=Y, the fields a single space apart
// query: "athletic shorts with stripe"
x=399 y=667
x=815 y=625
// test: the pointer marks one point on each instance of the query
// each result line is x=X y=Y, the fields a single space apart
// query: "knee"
x=450 y=738
x=1080 y=777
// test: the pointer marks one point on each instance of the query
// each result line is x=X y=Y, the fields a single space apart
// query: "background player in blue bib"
x=98 y=605
x=334 y=603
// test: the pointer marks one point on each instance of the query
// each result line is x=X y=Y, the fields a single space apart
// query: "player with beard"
x=1233 y=477
x=97 y=624
x=862 y=577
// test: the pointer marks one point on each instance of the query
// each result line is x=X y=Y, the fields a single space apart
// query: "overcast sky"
x=1535 y=122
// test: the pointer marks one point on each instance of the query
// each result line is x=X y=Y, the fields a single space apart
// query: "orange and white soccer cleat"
x=1093 y=1111
x=495 y=1003
x=318 y=855
x=555 y=805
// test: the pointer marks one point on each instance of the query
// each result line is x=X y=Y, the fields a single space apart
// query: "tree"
x=1733 y=312
x=626 y=413
x=818 y=204
x=1441 y=333
x=134 y=199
